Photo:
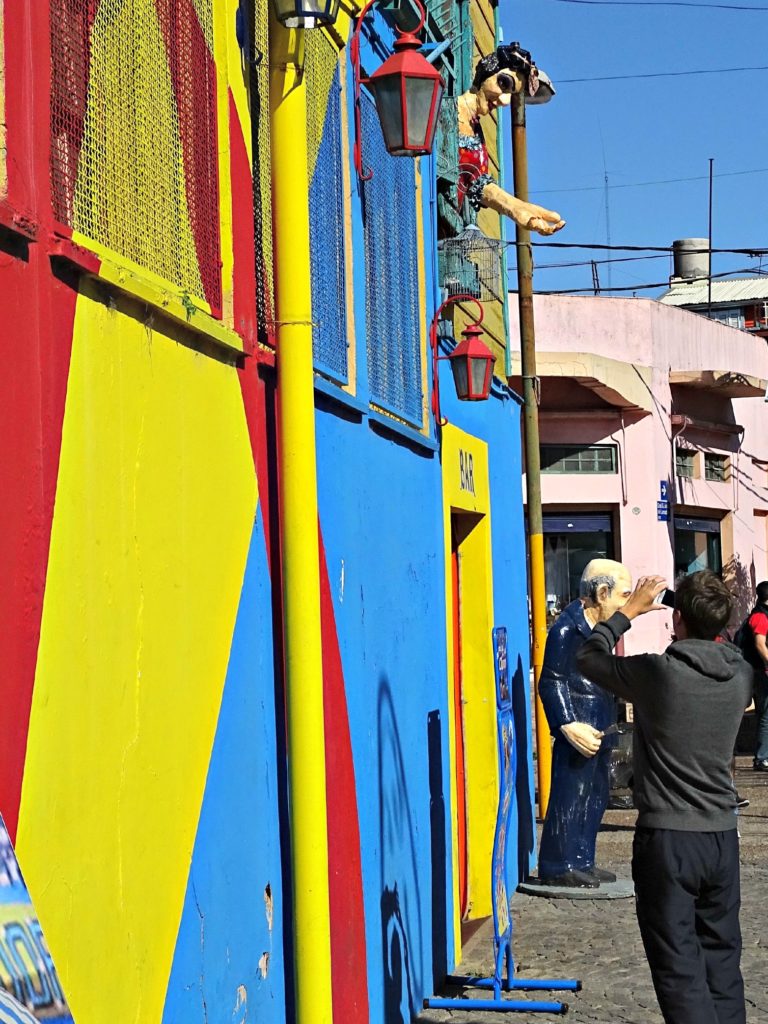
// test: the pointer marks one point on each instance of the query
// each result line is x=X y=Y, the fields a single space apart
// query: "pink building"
x=654 y=442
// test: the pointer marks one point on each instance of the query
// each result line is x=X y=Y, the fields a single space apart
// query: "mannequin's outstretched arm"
x=527 y=215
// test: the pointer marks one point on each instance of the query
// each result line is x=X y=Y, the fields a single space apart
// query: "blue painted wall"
x=229 y=966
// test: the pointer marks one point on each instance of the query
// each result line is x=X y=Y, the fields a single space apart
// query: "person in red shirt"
x=756 y=653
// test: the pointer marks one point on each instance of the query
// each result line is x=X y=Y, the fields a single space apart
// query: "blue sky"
x=643 y=130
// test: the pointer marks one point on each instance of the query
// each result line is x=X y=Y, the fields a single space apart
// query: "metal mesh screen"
x=262 y=187
x=134 y=134
x=391 y=276
x=326 y=205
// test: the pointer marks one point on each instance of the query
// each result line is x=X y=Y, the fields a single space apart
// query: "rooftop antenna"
x=709 y=266
x=607 y=203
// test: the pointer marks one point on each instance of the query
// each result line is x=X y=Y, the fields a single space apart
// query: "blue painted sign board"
x=504 y=980
x=662 y=511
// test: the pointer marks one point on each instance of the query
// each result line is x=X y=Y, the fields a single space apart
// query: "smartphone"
x=666 y=597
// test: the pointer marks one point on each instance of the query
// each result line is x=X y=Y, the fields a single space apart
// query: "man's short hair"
x=705 y=604
x=589 y=588
x=761 y=591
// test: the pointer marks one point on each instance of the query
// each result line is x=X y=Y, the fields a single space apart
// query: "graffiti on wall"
x=30 y=988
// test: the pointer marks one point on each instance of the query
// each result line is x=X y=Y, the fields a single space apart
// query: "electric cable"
x=627 y=288
x=641 y=184
x=661 y=74
x=664 y=3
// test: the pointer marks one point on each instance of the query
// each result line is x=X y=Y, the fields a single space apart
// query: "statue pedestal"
x=621 y=889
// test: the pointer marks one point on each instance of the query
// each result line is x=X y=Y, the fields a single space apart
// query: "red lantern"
x=472 y=364
x=408 y=91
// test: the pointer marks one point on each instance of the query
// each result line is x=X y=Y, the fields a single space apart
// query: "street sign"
x=664 y=489
x=662 y=511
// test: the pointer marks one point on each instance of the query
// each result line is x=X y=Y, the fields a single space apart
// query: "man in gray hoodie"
x=688 y=704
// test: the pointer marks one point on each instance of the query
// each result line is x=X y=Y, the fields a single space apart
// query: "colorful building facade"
x=144 y=759
x=654 y=447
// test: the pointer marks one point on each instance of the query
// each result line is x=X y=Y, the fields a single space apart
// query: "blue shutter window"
x=391 y=276
x=326 y=223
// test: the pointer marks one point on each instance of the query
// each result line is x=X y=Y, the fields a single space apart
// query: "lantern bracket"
x=440 y=420
x=354 y=49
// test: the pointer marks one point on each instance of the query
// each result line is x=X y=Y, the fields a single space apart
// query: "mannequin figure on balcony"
x=578 y=713
x=508 y=70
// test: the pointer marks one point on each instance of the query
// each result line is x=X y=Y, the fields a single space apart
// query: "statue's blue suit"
x=579 y=784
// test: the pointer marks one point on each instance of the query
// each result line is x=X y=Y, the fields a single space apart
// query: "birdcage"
x=470 y=264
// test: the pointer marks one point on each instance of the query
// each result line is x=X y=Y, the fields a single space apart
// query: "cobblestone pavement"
x=599 y=942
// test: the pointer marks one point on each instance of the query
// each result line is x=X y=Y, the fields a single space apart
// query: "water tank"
x=691 y=258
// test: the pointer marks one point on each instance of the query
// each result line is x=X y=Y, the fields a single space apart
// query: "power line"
x=632 y=287
x=655 y=74
x=756 y=251
x=642 y=184
x=589 y=263
x=663 y=3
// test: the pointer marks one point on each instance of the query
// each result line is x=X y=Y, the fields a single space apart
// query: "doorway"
x=458 y=710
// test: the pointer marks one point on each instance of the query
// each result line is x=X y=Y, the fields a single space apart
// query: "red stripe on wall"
x=349 y=971
x=71 y=22
x=244 y=276
x=193 y=74
x=35 y=345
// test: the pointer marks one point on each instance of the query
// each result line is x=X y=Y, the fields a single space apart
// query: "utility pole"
x=537 y=589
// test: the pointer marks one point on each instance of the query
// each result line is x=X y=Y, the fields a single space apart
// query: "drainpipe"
x=538 y=589
x=299 y=529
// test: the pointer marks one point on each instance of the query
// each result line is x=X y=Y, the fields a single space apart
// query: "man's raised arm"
x=596 y=659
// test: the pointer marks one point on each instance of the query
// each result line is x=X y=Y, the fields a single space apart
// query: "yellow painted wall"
x=154 y=509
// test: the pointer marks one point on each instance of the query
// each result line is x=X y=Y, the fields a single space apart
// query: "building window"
x=685 y=462
x=134 y=149
x=716 y=467
x=697 y=545
x=573 y=458
x=392 y=307
x=570 y=543
x=732 y=317
x=326 y=206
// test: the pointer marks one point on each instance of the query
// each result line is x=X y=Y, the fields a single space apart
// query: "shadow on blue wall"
x=271 y=485
x=526 y=824
x=401 y=916
x=438 y=850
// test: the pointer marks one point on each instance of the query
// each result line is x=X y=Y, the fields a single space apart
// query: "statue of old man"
x=578 y=712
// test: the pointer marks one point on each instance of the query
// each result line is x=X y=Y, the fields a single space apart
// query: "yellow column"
x=299 y=535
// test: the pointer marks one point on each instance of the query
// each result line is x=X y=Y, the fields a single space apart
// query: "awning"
x=623 y=385
x=726 y=383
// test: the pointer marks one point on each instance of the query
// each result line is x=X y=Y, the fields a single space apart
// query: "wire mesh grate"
x=326 y=205
x=134 y=134
x=470 y=264
x=261 y=170
x=391 y=276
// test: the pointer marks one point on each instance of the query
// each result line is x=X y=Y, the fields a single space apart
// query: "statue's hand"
x=547 y=222
x=582 y=737
x=527 y=215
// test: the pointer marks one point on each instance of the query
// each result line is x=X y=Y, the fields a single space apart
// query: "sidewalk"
x=599 y=942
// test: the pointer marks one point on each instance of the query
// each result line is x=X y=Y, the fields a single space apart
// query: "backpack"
x=743 y=635
x=744 y=639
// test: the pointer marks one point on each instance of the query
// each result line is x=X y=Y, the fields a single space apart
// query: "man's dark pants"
x=688 y=898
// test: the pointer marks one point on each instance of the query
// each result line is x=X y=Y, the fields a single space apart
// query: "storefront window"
x=570 y=542
x=697 y=546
